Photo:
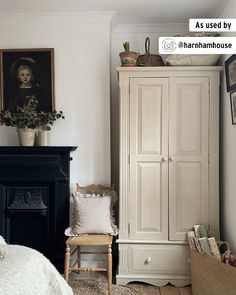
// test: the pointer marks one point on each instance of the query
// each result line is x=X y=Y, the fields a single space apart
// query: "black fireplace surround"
x=34 y=198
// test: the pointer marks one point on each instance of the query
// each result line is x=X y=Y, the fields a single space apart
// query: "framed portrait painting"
x=26 y=73
x=230 y=73
x=233 y=106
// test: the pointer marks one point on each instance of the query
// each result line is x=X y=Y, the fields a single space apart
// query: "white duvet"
x=25 y=271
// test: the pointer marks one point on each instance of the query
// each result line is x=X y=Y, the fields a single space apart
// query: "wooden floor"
x=167 y=290
x=142 y=287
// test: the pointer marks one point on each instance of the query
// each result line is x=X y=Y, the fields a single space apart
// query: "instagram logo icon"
x=168 y=45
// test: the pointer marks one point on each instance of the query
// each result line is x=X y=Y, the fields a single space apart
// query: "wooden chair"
x=90 y=240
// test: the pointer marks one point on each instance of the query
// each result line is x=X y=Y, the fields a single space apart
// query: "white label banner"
x=212 y=25
x=197 y=45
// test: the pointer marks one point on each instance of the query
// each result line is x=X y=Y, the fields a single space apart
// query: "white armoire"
x=169 y=168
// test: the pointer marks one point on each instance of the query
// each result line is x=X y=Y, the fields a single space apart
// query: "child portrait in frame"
x=26 y=73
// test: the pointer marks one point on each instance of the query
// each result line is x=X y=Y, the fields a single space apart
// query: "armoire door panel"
x=148 y=202
x=192 y=204
x=189 y=122
x=148 y=147
x=149 y=119
x=148 y=102
x=149 y=197
x=188 y=151
x=189 y=111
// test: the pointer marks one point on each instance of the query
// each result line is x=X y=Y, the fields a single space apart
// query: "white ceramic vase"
x=26 y=136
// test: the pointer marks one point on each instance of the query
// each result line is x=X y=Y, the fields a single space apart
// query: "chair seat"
x=90 y=240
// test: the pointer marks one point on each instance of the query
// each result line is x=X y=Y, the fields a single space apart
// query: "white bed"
x=24 y=271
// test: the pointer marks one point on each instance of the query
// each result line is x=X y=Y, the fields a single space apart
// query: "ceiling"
x=127 y=11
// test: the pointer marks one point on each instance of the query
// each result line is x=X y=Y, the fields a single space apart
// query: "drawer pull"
x=147 y=260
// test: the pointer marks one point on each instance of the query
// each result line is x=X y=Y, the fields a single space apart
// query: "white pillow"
x=2 y=241
x=92 y=215
x=192 y=60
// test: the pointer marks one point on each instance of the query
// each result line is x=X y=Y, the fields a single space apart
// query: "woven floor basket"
x=211 y=277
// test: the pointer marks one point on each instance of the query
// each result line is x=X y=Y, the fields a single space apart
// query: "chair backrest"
x=94 y=188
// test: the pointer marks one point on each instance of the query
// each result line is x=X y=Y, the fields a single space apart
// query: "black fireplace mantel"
x=35 y=149
x=34 y=197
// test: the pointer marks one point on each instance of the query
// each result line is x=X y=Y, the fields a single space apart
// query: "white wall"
x=136 y=35
x=82 y=76
x=228 y=153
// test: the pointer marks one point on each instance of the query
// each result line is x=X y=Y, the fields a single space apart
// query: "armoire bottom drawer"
x=159 y=259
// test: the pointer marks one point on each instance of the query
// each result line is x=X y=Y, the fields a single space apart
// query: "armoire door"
x=188 y=154
x=148 y=202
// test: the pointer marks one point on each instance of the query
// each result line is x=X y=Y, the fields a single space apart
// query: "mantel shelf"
x=35 y=149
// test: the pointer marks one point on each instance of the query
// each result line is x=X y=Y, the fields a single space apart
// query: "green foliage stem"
x=27 y=116
x=126 y=46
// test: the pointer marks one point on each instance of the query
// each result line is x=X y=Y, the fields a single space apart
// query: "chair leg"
x=78 y=256
x=109 y=269
x=67 y=263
